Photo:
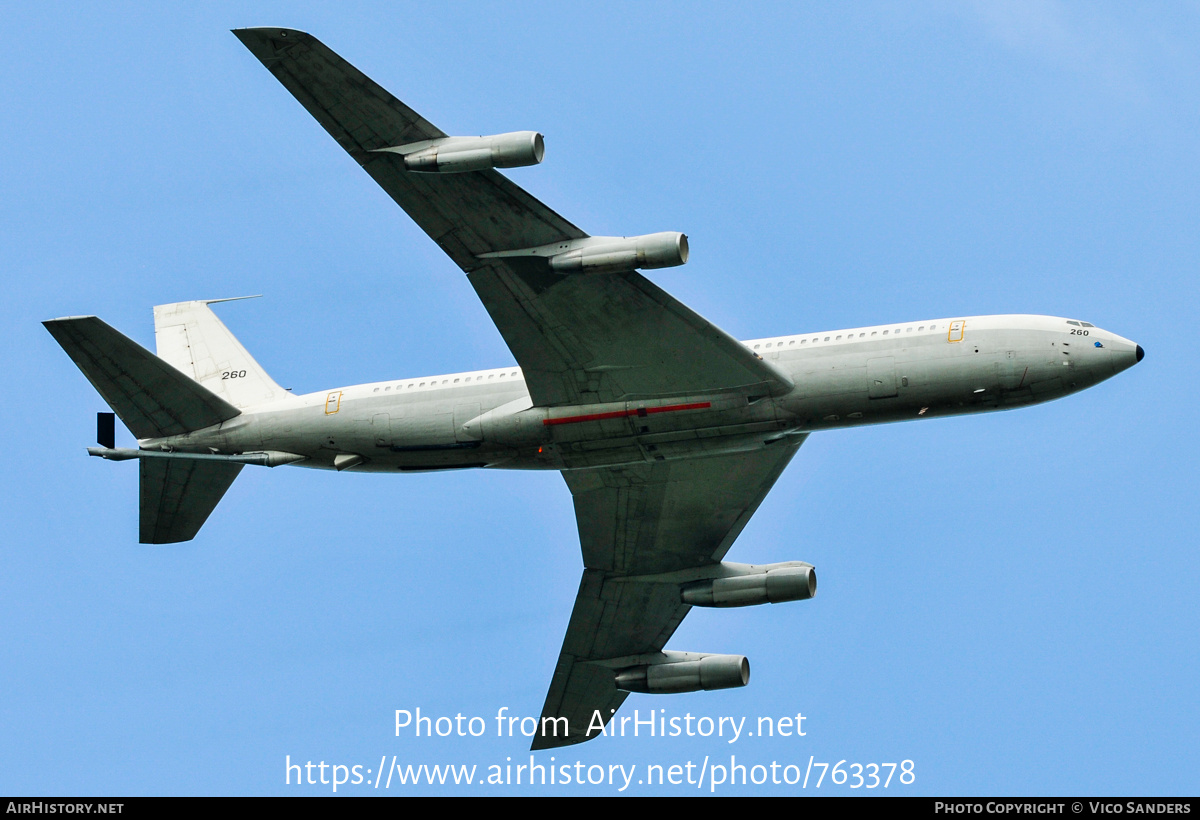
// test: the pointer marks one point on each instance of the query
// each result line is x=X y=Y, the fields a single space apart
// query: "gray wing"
x=466 y=214
x=636 y=522
x=579 y=338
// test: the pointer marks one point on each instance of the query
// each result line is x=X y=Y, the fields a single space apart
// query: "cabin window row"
x=435 y=382
x=848 y=336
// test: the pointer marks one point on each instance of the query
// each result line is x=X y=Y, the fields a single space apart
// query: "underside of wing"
x=646 y=531
x=671 y=515
x=580 y=338
x=467 y=214
x=597 y=338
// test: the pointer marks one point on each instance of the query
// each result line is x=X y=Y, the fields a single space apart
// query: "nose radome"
x=1141 y=354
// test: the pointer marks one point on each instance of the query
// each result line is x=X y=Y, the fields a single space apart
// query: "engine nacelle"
x=696 y=673
x=454 y=155
x=772 y=586
x=610 y=254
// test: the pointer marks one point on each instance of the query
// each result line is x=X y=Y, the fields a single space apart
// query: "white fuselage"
x=842 y=378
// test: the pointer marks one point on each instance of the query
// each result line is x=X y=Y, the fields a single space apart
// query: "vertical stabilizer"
x=191 y=337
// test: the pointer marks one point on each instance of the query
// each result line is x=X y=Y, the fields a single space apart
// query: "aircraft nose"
x=1125 y=353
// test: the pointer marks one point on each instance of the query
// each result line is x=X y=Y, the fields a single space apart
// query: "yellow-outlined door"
x=333 y=402
x=957 y=328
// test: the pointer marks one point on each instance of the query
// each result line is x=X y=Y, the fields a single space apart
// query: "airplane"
x=668 y=431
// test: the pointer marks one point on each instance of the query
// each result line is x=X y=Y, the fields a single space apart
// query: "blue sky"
x=1006 y=600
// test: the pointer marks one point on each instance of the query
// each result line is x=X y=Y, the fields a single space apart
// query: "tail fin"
x=191 y=337
x=151 y=397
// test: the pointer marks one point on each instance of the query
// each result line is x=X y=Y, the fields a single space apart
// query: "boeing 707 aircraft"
x=668 y=431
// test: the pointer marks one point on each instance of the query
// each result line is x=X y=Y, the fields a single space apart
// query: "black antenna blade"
x=106 y=430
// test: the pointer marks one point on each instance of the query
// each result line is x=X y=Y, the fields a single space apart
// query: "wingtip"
x=265 y=41
x=542 y=743
x=268 y=32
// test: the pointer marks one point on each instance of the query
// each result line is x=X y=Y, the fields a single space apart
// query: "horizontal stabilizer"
x=153 y=398
x=178 y=495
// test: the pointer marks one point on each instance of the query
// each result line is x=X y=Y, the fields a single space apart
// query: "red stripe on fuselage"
x=620 y=414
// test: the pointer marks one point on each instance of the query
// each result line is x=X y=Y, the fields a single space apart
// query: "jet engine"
x=609 y=254
x=454 y=155
x=772 y=586
x=692 y=674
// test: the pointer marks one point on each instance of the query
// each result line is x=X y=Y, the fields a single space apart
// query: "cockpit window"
x=1086 y=324
x=1072 y=323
